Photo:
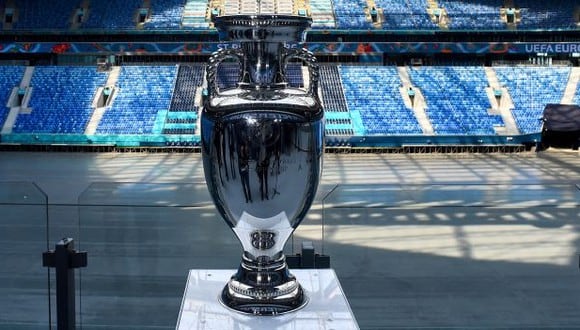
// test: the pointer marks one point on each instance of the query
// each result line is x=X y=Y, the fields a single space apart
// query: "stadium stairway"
x=194 y=14
x=571 y=87
x=100 y=110
x=80 y=14
x=322 y=14
x=437 y=14
x=417 y=104
x=15 y=110
x=501 y=101
x=378 y=23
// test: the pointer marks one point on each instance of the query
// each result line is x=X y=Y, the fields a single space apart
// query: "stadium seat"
x=456 y=100
x=61 y=100
x=531 y=88
x=374 y=93
x=10 y=77
x=144 y=91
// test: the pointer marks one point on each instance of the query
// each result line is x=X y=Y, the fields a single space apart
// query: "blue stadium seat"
x=165 y=14
x=34 y=14
x=10 y=77
x=374 y=92
x=61 y=100
x=143 y=91
x=531 y=88
x=338 y=117
x=112 y=14
x=349 y=14
x=189 y=77
x=549 y=15
x=405 y=15
x=465 y=15
x=456 y=101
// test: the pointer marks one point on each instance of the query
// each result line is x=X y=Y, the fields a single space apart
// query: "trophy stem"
x=263 y=288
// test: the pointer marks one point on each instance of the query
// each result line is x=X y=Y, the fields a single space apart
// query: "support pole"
x=65 y=259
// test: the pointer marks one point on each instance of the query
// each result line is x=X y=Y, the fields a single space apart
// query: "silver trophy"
x=262 y=148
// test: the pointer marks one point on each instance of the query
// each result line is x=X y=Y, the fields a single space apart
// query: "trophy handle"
x=307 y=57
x=214 y=61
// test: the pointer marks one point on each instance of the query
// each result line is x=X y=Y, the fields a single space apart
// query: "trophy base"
x=263 y=307
x=267 y=290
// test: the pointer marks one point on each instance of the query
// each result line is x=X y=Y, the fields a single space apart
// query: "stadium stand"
x=34 y=14
x=349 y=14
x=374 y=93
x=113 y=14
x=227 y=75
x=189 y=78
x=484 y=14
x=60 y=101
x=338 y=117
x=10 y=77
x=183 y=111
x=326 y=14
x=405 y=15
x=142 y=102
x=531 y=88
x=456 y=100
x=165 y=14
x=294 y=75
x=553 y=14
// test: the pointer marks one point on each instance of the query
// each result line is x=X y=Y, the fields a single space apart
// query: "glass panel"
x=24 y=300
x=406 y=239
x=141 y=240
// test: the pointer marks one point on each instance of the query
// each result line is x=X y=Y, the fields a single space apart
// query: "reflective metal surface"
x=262 y=169
x=262 y=147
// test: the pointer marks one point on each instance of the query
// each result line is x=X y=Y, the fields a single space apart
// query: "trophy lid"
x=261 y=27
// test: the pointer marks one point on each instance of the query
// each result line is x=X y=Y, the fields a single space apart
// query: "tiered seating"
x=294 y=75
x=189 y=77
x=553 y=14
x=349 y=14
x=405 y=15
x=61 y=100
x=331 y=89
x=165 y=14
x=183 y=112
x=338 y=120
x=485 y=14
x=374 y=92
x=143 y=92
x=34 y=14
x=10 y=77
x=113 y=14
x=531 y=88
x=228 y=75
x=456 y=101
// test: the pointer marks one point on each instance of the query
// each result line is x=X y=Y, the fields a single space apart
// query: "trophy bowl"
x=262 y=148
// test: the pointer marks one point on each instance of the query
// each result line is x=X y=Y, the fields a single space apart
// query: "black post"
x=308 y=258
x=65 y=259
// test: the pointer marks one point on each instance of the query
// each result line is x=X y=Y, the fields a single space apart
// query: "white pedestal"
x=327 y=308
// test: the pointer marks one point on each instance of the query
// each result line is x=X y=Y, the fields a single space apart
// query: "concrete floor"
x=418 y=241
